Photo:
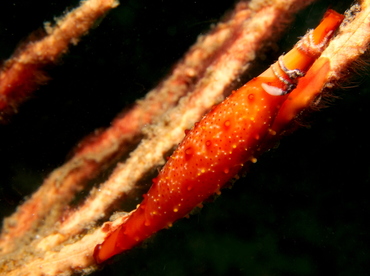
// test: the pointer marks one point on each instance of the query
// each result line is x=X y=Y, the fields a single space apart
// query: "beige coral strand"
x=22 y=73
x=38 y=53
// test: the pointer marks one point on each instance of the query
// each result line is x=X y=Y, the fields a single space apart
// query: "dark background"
x=302 y=209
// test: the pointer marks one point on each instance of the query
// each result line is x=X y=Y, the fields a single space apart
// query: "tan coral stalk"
x=22 y=73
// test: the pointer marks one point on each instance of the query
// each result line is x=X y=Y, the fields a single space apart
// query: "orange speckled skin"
x=213 y=152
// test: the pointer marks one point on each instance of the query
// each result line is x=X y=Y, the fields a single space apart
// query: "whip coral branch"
x=22 y=73
x=49 y=235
